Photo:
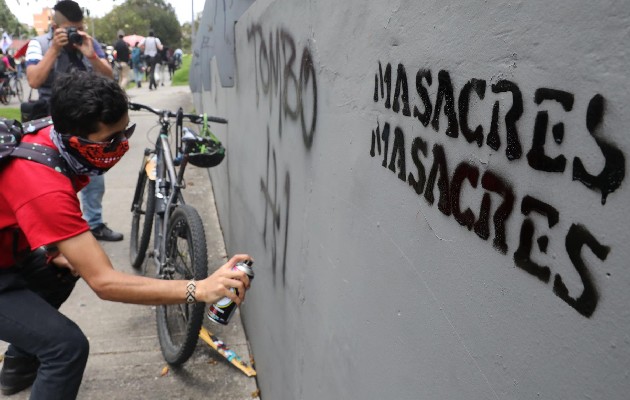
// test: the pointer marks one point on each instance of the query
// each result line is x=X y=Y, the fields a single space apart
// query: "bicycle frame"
x=168 y=193
x=179 y=241
x=168 y=175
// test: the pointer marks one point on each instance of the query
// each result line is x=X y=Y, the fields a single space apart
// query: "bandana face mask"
x=98 y=155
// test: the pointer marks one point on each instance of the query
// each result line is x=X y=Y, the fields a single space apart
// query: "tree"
x=187 y=33
x=10 y=23
x=138 y=17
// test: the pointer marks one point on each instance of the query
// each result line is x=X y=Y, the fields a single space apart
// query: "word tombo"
x=449 y=186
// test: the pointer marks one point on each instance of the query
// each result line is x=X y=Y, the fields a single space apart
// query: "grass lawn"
x=10 y=113
x=180 y=78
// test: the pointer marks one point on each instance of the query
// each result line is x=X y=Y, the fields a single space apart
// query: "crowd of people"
x=129 y=61
x=148 y=58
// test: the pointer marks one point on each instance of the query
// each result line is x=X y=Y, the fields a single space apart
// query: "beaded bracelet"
x=190 y=292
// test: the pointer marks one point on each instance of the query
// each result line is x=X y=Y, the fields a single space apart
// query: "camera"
x=74 y=36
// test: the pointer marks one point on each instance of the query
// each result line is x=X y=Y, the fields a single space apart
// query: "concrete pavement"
x=125 y=359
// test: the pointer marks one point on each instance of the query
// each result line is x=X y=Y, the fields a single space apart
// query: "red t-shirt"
x=38 y=202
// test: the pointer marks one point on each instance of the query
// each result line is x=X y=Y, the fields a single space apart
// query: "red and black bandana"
x=86 y=157
x=100 y=155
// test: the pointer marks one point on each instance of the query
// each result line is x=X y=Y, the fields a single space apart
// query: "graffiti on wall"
x=285 y=84
x=430 y=168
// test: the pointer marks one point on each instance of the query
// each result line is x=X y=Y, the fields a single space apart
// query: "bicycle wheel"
x=142 y=220
x=19 y=90
x=186 y=258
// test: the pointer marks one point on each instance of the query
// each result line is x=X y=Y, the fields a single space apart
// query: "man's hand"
x=218 y=285
x=60 y=39
x=86 y=47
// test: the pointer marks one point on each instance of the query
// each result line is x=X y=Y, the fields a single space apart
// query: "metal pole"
x=192 y=24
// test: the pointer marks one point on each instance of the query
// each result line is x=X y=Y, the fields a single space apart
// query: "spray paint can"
x=221 y=311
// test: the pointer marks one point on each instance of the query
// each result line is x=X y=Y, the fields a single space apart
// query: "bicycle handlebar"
x=194 y=118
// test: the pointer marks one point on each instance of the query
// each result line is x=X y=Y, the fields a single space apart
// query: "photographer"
x=64 y=49
x=44 y=249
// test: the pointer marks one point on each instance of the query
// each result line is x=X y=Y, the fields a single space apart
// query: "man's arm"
x=90 y=261
x=93 y=52
x=37 y=73
x=101 y=65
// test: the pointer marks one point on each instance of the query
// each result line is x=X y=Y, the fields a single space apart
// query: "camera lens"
x=74 y=36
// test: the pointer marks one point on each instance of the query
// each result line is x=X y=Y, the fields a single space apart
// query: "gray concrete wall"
x=434 y=194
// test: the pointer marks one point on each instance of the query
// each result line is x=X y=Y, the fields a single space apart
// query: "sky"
x=24 y=9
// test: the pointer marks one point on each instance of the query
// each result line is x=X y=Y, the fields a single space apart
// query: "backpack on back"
x=11 y=145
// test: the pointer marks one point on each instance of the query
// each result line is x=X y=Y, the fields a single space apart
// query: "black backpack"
x=11 y=145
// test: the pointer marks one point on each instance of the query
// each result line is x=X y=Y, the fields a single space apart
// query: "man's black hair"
x=80 y=100
x=69 y=9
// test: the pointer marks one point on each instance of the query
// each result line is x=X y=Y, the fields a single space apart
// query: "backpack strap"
x=11 y=145
x=36 y=125
x=43 y=155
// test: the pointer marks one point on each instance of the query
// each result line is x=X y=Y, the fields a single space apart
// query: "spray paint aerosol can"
x=221 y=311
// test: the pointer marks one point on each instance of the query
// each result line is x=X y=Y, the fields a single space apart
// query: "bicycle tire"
x=19 y=90
x=179 y=325
x=142 y=218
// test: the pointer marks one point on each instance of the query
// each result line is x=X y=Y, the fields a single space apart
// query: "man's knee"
x=71 y=346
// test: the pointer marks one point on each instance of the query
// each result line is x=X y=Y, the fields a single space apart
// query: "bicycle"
x=11 y=86
x=179 y=245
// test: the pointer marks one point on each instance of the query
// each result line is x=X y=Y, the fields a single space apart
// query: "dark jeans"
x=154 y=62
x=30 y=295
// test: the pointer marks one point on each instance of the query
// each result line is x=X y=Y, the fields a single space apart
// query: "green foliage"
x=187 y=33
x=10 y=23
x=186 y=37
x=138 y=17
x=180 y=78
x=11 y=113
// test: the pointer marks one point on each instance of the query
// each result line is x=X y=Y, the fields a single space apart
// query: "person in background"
x=122 y=56
x=11 y=59
x=53 y=54
x=171 y=63
x=46 y=246
x=136 y=61
x=163 y=54
x=20 y=67
x=151 y=47
x=6 y=62
x=4 y=68
x=178 y=54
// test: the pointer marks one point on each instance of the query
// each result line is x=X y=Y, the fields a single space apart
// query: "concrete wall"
x=434 y=194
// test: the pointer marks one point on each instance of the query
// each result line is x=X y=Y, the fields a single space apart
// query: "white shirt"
x=151 y=45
